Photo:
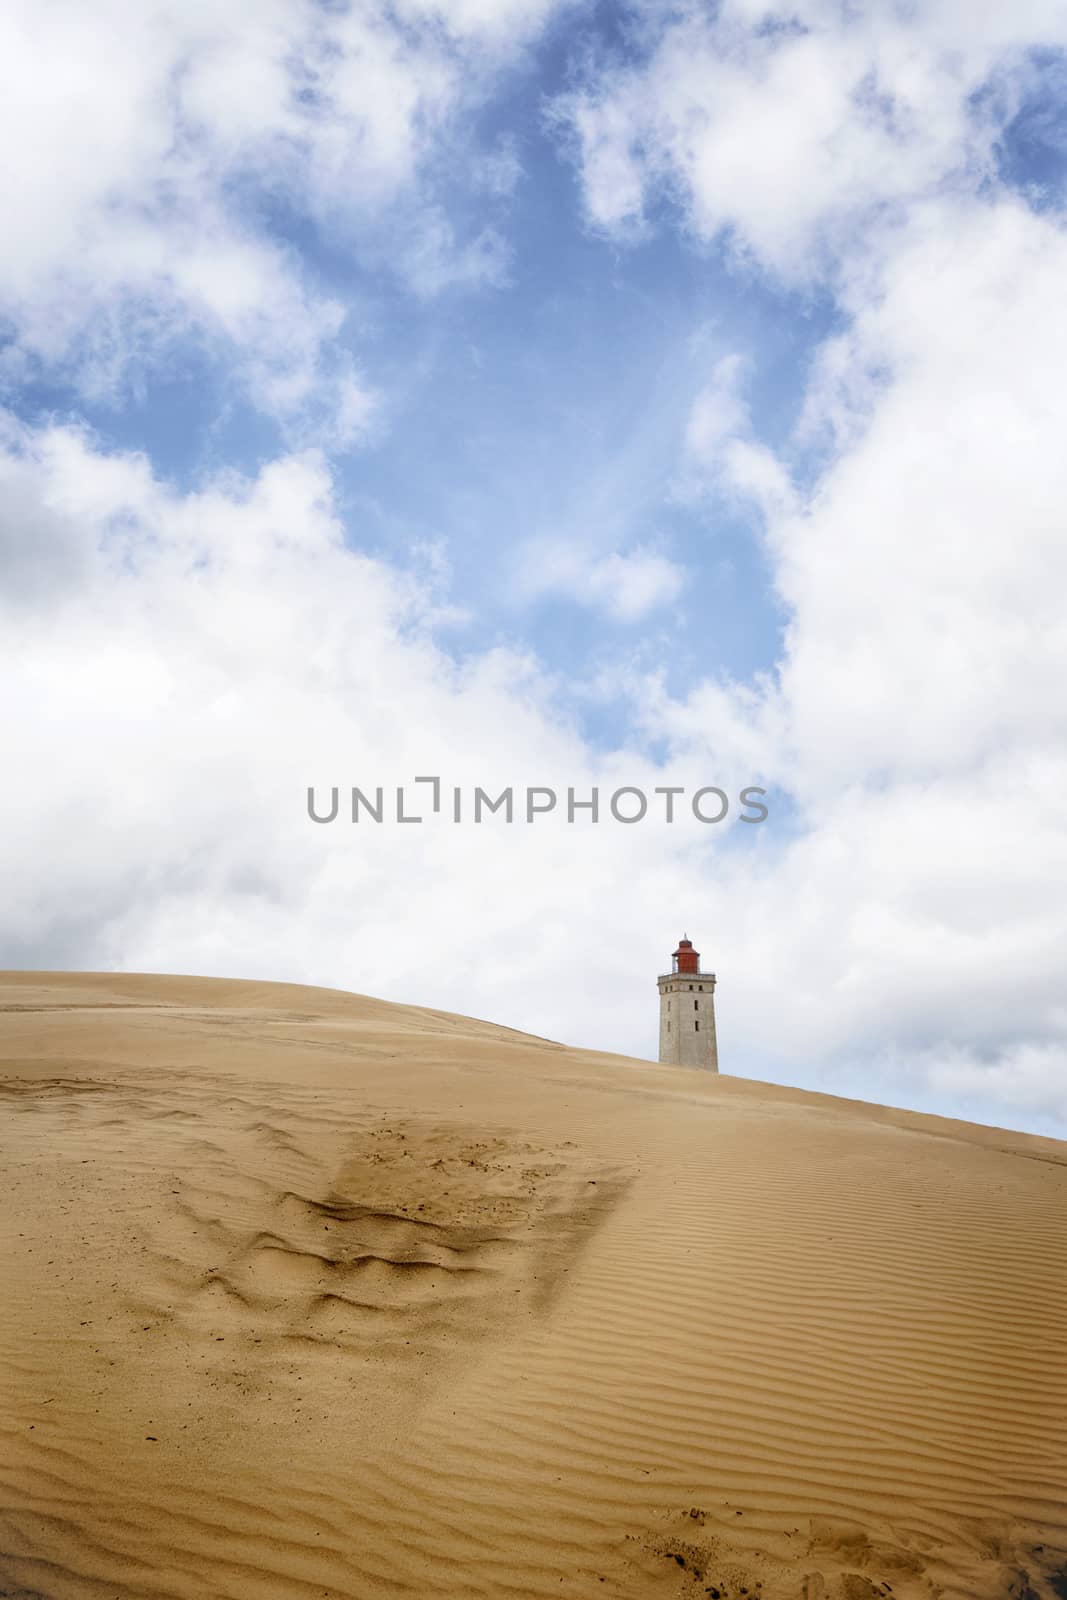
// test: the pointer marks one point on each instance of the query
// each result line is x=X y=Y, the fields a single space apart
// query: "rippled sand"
x=307 y=1295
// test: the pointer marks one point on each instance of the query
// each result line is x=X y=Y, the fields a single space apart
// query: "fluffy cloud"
x=721 y=455
x=148 y=145
x=176 y=670
x=914 y=522
x=916 y=716
x=786 y=130
x=923 y=572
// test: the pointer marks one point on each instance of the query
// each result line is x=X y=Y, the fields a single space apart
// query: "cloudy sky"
x=531 y=393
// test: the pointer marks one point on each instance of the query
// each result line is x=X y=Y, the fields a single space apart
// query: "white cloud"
x=175 y=670
x=625 y=586
x=1027 y=1076
x=916 y=715
x=721 y=456
x=144 y=145
x=788 y=131
x=719 y=412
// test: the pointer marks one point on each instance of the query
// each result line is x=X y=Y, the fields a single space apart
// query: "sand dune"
x=308 y=1295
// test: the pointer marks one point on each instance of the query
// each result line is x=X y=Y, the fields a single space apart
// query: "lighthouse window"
x=696 y=1005
x=690 y=986
x=696 y=1025
x=668 y=1027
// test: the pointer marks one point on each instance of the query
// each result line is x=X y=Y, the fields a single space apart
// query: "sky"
x=536 y=394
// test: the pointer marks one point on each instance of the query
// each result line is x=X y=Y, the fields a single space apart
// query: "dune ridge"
x=308 y=1294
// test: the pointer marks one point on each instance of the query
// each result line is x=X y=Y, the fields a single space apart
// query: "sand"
x=309 y=1295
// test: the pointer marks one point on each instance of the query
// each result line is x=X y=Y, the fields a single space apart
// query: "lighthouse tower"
x=687 y=1012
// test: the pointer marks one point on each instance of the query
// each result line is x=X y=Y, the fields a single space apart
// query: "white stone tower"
x=687 y=1012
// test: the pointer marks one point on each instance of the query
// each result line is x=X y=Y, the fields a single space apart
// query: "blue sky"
x=547 y=403
x=585 y=394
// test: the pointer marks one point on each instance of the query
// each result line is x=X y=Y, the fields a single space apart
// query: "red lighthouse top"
x=685 y=958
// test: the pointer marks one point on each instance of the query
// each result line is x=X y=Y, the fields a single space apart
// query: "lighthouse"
x=687 y=1012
